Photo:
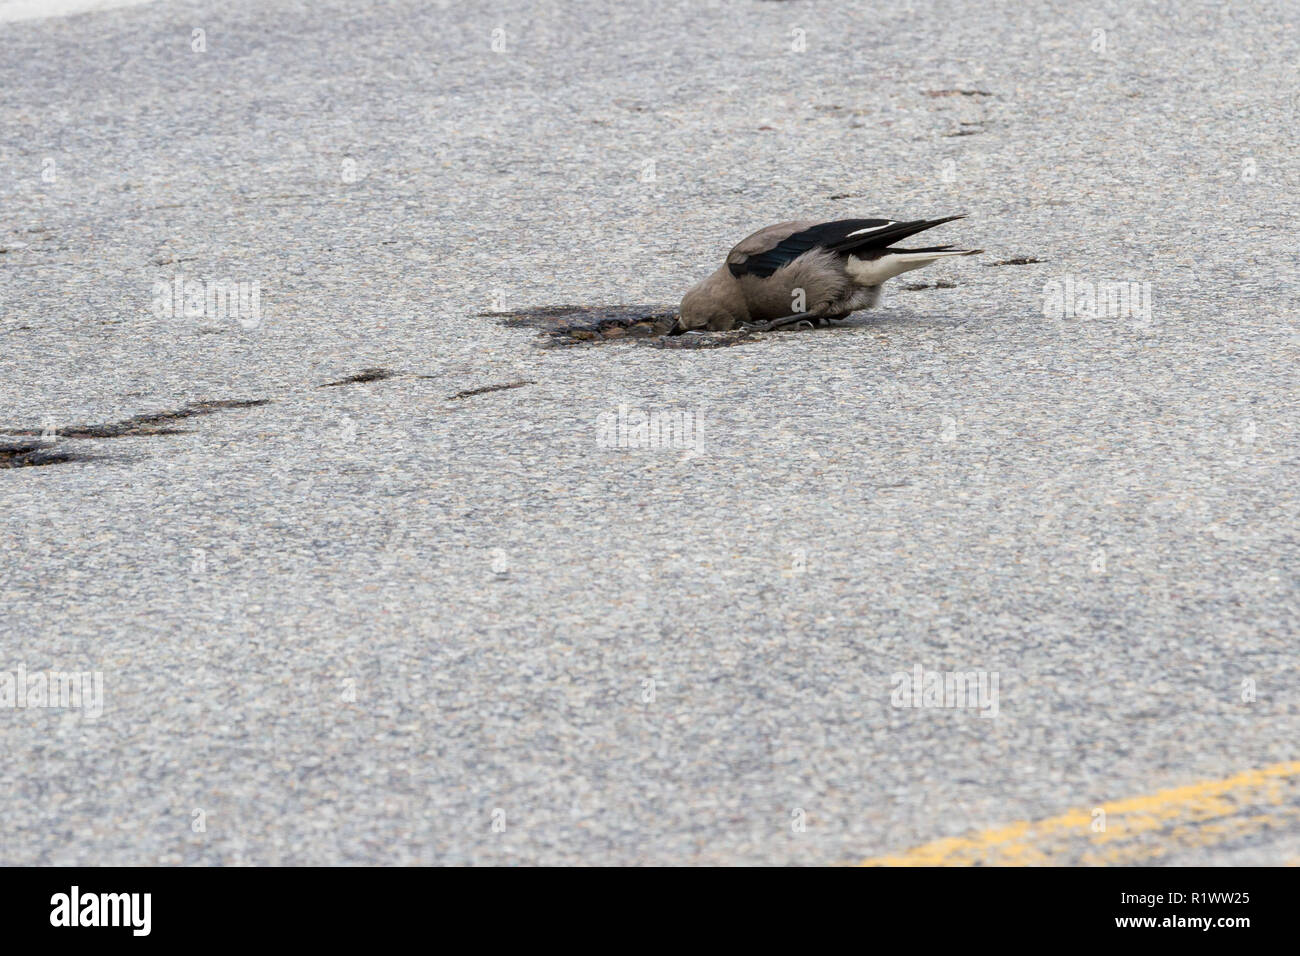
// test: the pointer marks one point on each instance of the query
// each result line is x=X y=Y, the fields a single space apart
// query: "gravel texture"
x=414 y=618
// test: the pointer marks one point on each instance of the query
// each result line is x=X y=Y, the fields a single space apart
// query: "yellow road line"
x=1136 y=830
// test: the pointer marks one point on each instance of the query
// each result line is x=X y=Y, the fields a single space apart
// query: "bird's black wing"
x=843 y=236
x=825 y=235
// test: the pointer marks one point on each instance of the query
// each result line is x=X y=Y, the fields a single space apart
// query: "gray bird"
x=807 y=272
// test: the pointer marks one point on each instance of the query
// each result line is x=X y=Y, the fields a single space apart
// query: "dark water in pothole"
x=564 y=326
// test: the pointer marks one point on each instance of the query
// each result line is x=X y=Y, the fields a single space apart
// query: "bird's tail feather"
x=888 y=263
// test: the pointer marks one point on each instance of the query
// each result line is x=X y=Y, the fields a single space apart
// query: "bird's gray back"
x=766 y=239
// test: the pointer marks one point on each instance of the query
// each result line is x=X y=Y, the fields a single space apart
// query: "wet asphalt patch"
x=490 y=388
x=365 y=375
x=940 y=284
x=157 y=423
x=35 y=455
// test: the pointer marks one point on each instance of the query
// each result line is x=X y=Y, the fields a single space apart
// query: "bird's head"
x=704 y=307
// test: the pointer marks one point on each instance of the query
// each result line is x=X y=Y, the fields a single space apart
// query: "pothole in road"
x=564 y=326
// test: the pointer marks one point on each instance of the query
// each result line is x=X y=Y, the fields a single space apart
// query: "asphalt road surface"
x=649 y=604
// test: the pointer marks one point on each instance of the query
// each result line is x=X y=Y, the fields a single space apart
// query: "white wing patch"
x=861 y=232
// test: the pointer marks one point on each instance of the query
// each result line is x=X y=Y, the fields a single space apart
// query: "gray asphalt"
x=353 y=623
